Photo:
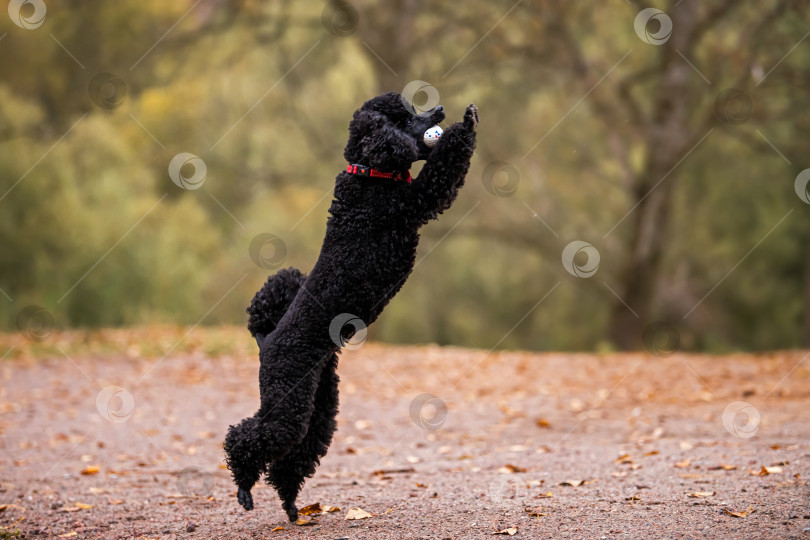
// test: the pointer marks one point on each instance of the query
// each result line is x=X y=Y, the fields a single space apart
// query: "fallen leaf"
x=115 y=502
x=765 y=471
x=419 y=485
x=543 y=423
x=780 y=463
x=633 y=498
x=277 y=529
x=534 y=512
x=619 y=474
x=723 y=467
x=699 y=494
x=623 y=459
x=651 y=453
x=385 y=472
x=96 y=490
x=83 y=506
x=357 y=513
x=511 y=469
x=511 y=531
x=310 y=510
x=91 y=469
x=573 y=483
x=305 y=522
x=684 y=463
x=69 y=535
x=326 y=509
x=739 y=514
x=546 y=495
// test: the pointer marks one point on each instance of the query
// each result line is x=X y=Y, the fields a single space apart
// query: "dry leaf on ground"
x=326 y=509
x=511 y=469
x=357 y=513
x=310 y=510
x=535 y=512
x=740 y=514
x=573 y=483
x=723 y=467
x=277 y=529
x=765 y=471
x=91 y=469
x=698 y=494
x=305 y=522
x=511 y=531
x=69 y=535
x=684 y=463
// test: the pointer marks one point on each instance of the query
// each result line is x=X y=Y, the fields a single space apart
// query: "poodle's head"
x=385 y=134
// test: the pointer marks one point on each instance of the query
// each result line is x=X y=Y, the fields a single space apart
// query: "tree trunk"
x=668 y=139
x=392 y=42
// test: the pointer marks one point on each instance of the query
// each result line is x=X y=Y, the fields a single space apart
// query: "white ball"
x=432 y=136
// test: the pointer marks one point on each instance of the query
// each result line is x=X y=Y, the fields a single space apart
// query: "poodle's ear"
x=375 y=141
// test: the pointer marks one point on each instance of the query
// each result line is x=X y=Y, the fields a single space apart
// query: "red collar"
x=362 y=170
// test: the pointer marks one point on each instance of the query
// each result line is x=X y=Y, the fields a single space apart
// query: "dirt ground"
x=104 y=437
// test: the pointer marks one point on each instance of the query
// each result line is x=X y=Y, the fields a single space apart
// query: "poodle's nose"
x=438 y=114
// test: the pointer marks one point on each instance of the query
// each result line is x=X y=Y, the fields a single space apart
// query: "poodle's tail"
x=272 y=301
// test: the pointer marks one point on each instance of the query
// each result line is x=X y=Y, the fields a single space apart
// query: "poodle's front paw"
x=471 y=117
x=292 y=511
x=245 y=498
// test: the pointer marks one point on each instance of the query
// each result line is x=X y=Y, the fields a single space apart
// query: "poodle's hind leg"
x=245 y=448
x=288 y=474
x=271 y=302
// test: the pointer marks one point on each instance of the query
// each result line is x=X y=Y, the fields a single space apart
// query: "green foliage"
x=93 y=229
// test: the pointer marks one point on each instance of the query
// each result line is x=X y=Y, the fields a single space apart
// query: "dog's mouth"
x=420 y=124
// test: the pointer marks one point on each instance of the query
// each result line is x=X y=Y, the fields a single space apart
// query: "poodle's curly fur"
x=367 y=254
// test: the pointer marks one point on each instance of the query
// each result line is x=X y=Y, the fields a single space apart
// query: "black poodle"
x=367 y=254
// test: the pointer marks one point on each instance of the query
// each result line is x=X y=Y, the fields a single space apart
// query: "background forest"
x=666 y=147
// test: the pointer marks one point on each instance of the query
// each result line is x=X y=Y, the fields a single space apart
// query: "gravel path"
x=101 y=438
